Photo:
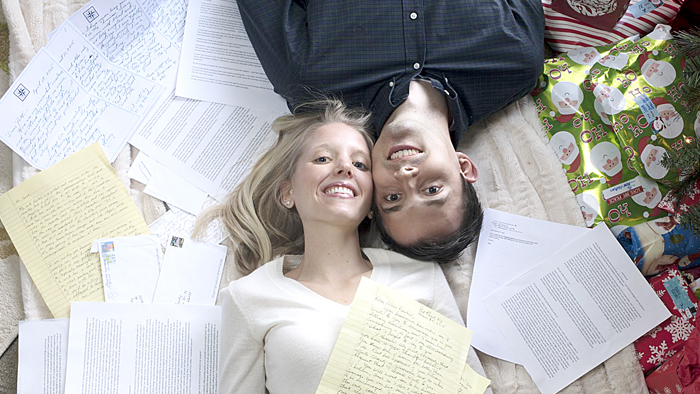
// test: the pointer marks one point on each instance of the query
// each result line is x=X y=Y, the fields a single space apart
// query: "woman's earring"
x=370 y=215
x=287 y=203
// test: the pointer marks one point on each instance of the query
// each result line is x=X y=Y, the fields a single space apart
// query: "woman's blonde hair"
x=260 y=227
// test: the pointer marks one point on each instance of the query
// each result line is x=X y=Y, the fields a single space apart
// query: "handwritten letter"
x=120 y=87
x=53 y=218
x=393 y=344
x=49 y=115
x=168 y=16
x=121 y=31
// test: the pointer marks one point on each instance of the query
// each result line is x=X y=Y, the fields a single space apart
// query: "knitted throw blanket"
x=518 y=172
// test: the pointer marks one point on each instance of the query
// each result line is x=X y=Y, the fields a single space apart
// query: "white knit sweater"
x=278 y=335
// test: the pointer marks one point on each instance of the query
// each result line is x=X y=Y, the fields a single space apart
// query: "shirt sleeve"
x=445 y=303
x=276 y=29
x=242 y=361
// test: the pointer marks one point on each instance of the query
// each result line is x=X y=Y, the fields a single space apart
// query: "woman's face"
x=332 y=182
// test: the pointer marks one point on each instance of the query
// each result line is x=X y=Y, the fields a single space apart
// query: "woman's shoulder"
x=257 y=281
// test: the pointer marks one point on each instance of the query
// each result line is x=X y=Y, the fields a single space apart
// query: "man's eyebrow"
x=392 y=209
x=438 y=201
x=428 y=203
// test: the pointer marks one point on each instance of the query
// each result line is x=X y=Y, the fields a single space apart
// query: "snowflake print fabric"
x=665 y=340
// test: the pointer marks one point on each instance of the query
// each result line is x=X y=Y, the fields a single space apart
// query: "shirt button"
x=414 y=15
x=416 y=66
x=391 y=84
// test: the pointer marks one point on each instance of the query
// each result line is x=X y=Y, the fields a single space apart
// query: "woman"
x=305 y=199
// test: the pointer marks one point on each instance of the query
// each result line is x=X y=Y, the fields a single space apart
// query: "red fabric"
x=688 y=16
x=692 y=198
x=607 y=21
x=564 y=33
x=668 y=338
x=665 y=380
x=689 y=366
x=680 y=373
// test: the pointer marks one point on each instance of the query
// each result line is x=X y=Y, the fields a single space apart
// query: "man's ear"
x=286 y=197
x=467 y=167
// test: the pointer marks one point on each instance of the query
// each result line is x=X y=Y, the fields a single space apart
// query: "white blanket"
x=517 y=173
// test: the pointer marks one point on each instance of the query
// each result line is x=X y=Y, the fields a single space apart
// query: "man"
x=426 y=70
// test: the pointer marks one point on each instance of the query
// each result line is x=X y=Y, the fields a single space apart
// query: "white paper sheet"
x=47 y=116
x=191 y=272
x=176 y=221
x=43 y=348
x=573 y=311
x=211 y=145
x=509 y=245
x=166 y=185
x=122 y=32
x=130 y=267
x=98 y=77
x=167 y=16
x=220 y=65
x=143 y=348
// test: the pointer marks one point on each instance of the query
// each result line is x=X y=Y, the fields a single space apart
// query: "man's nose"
x=407 y=172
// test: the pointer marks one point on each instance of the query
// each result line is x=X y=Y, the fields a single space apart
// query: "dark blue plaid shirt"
x=482 y=54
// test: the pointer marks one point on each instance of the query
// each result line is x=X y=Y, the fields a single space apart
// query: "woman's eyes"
x=360 y=165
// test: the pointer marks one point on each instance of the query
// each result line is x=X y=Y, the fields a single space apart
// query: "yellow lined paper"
x=391 y=343
x=53 y=217
x=471 y=382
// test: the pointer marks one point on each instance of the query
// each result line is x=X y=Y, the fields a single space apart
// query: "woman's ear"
x=467 y=167
x=286 y=195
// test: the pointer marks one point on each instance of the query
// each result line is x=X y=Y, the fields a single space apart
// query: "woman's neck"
x=332 y=264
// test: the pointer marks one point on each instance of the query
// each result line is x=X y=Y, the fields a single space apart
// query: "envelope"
x=130 y=267
x=166 y=185
x=191 y=272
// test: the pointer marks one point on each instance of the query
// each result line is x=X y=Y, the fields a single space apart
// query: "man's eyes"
x=392 y=198
x=430 y=190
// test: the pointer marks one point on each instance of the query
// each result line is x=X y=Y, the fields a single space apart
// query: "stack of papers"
x=562 y=315
x=121 y=347
x=107 y=77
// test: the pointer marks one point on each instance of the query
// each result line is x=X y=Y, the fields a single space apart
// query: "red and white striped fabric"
x=564 y=33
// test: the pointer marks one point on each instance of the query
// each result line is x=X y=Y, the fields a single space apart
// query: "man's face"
x=418 y=180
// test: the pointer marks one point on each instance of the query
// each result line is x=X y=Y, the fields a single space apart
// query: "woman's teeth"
x=340 y=190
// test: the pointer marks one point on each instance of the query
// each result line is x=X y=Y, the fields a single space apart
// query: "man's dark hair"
x=447 y=248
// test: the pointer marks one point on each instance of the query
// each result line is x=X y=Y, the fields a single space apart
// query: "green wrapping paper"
x=611 y=113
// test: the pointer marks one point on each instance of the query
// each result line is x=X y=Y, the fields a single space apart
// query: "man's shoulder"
x=398 y=263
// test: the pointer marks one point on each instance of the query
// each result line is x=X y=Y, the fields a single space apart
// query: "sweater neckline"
x=292 y=286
